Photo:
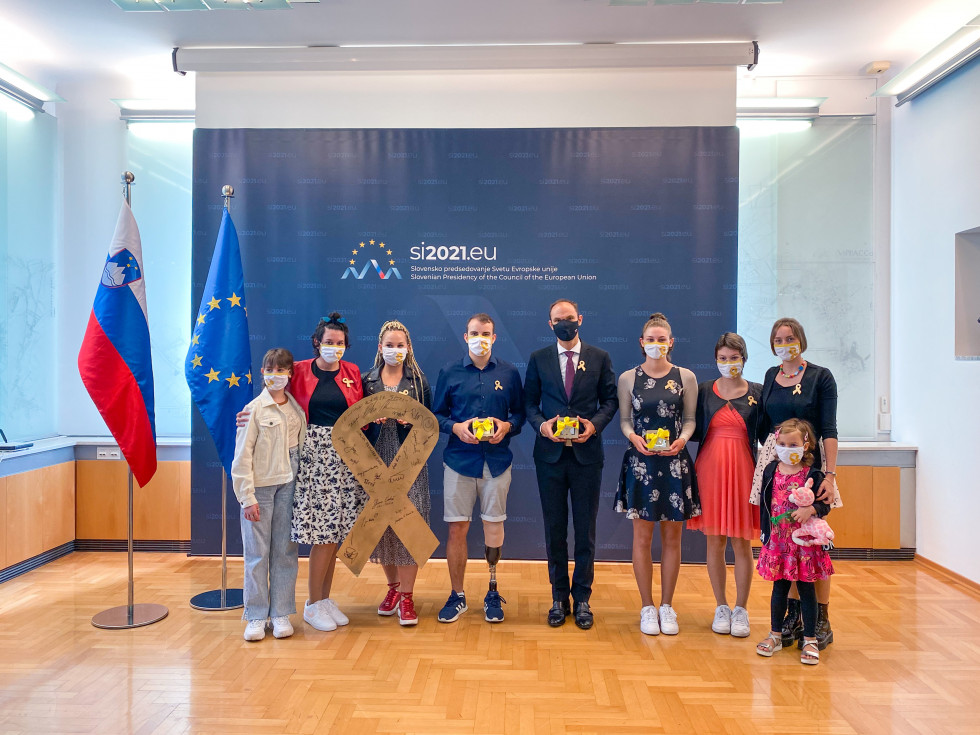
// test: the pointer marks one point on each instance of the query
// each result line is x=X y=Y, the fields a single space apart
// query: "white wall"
x=468 y=99
x=95 y=149
x=935 y=185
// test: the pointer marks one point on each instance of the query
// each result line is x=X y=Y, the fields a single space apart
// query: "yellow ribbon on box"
x=565 y=423
x=652 y=437
x=482 y=427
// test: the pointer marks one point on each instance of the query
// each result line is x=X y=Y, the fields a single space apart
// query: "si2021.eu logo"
x=366 y=250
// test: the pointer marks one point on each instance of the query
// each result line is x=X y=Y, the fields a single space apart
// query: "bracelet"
x=828 y=472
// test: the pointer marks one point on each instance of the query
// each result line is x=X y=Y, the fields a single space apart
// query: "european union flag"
x=218 y=365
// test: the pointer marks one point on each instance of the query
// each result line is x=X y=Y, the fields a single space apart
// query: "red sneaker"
x=390 y=602
x=406 y=610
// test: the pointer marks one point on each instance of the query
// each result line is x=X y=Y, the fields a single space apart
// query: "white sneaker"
x=740 y=622
x=281 y=627
x=648 y=620
x=334 y=612
x=255 y=630
x=316 y=615
x=668 y=620
x=722 y=623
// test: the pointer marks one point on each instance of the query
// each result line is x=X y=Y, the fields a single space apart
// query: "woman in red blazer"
x=328 y=499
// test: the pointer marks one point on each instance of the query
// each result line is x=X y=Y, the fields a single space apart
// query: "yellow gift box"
x=567 y=428
x=483 y=429
x=657 y=441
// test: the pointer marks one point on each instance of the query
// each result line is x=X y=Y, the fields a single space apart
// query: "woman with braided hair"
x=395 y=370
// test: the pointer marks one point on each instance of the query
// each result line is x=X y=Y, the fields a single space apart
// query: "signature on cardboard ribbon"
x=387 y=486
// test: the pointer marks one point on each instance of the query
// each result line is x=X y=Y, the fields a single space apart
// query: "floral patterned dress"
x=658 y=488
x=781 y=557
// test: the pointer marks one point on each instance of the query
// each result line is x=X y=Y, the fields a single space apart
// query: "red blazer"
x=304 y=382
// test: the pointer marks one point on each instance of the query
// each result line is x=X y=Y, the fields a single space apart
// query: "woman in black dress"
x=657 y=484
x=798 y=389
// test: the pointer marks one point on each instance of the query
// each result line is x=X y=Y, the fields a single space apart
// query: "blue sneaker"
x=491 y=606
x=454 y=607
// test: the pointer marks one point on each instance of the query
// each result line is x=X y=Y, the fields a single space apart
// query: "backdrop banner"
x=430 y=226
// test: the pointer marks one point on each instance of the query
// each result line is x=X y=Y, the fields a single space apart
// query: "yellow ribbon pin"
x=798 y=390
x=752 y=401
x=348 y=382
x=581 y=365
x=497 y=385
x=482 y=427
x=405 y=392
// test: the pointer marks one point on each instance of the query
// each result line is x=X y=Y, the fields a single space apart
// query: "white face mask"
x=479 y=346
x=790 y=455
x=789 y=352
x=276 y=381
x=331 y=353
x=729 y=369
x=394 y=355
x=655 y=350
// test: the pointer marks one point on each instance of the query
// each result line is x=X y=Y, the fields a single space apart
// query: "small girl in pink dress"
x=781 y=560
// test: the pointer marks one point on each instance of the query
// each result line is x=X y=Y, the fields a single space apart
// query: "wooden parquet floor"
x=906 y=659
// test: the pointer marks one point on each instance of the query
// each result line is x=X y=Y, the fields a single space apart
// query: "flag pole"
x=224 y=598
x=130 y=615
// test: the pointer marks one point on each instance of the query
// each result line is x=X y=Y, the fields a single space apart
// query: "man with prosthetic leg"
x=479 y=402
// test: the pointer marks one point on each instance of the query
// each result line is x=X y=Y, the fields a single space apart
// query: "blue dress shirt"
x=464 y=392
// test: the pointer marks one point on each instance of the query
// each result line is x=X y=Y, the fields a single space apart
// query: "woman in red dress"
x=726 y=429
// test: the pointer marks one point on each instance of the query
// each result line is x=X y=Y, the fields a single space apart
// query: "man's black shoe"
x=558 y=612
x=583 y=615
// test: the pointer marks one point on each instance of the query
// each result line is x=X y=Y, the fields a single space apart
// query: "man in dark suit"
x=570 y=379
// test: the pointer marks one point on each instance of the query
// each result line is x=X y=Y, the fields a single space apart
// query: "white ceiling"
x=55 y=41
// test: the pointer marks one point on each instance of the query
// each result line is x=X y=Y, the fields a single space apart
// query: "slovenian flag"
x=114 y=361
x=218 y=364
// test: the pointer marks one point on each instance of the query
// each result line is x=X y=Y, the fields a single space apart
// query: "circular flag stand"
x=224 y=598
x=130 y=615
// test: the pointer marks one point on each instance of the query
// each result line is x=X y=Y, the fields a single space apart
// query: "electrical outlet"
x=883 y=405
x=108 y=453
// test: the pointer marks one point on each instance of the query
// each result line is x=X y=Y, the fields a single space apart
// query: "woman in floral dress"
x=657 y=485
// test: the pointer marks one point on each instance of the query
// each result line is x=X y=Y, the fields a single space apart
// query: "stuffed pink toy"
x=814 y=531
x=802 y=496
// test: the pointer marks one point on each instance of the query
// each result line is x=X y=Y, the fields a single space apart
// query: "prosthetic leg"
x=493 y=556
x=493 y=533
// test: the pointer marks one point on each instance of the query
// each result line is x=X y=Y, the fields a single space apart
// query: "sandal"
x=770 y=645
x=811 y=652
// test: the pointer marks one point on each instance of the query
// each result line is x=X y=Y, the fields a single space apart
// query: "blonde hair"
x=393 y=325
x=805 y=429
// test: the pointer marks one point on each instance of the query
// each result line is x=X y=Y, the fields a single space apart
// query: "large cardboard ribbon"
x=387 y=486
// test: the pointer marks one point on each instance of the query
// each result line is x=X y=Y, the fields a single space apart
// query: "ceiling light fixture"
x=20 y=89
x=150 y=110
x=956 y=51
x=804 y=108
x=158 y=5
x=482 y=56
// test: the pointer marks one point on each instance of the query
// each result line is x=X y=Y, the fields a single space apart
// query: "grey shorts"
x=459 y=494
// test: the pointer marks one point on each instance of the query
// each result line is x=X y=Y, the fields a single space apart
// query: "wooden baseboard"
x=939 y=570
x=35 y=561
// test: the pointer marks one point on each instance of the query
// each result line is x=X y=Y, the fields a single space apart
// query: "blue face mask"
x=565 y=329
